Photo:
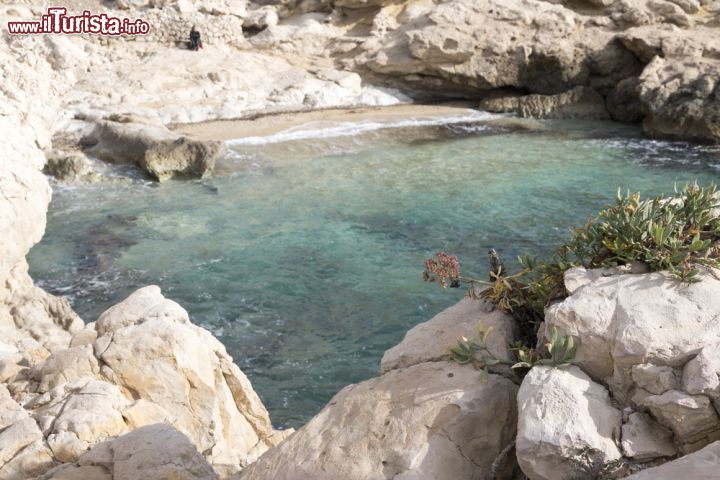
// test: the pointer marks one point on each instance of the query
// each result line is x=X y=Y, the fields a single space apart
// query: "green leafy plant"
x=477 y=352
x=679 y=234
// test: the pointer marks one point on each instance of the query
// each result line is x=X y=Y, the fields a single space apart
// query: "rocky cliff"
x=79 y=399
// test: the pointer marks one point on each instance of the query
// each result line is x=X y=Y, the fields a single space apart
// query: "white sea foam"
x=347 y=129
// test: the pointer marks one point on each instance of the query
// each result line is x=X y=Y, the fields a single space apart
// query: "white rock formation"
x=157 y=452
x=567 y=427
x=701 y=465
x=431 y=340
x=701 y=375
x=624 y=321
x=428 y=421
x=644 y=439
x=423 y=418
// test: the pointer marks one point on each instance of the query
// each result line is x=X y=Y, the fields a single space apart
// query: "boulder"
x=182 y=158
x=430 y=341
x=681 y=98
x=428 y=421
x=692 y=418
x=643 y=439
x=68 y=166
x=623 y=321
x=567 y=426
x=64 y=366
x=160 y=152
x=701 y=465
x=152 y=352
x=655 y=379
x=157 y=452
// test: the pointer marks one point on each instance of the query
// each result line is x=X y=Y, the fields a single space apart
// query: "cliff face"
x=69 y=388
x=642 y=58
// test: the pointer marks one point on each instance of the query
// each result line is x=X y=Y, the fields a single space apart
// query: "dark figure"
x=496 y=265
x=195 y=42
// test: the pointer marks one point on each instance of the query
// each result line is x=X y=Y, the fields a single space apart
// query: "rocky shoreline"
x=143 y=393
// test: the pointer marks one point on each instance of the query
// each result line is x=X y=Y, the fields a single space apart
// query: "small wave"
x=348 y=129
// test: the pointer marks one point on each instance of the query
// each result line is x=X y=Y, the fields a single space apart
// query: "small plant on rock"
x=679 y=234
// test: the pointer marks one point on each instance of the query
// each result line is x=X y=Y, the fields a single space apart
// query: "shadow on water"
x=103 y=243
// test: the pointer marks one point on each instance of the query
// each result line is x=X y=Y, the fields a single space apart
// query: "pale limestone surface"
x=701 y=465
x=432 y=340
x=566 y=425
x=428 y=421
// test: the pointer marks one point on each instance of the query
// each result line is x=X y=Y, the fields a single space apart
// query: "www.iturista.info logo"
x=58 y=21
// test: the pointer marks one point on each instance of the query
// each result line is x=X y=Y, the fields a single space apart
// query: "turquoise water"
x=304 y=257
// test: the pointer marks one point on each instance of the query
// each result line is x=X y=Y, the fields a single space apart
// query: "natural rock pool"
x=304 y=253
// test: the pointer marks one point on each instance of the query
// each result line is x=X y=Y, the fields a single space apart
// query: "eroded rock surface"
x=567 y=426
x=431 y=340
x=427 y=421
x=157 y=452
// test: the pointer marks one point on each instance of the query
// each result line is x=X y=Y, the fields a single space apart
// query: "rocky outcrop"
x=154 y=148
x=432 y=420
x=141 y=363
x=157 y=452
x=580 y=102
x=646 y=336
x=545 y=51
x=423 y=418
x=682 y=89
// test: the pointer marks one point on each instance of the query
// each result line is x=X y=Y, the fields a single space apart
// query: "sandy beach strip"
x=269 y=124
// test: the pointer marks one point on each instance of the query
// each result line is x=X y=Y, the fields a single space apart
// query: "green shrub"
x=679 y=234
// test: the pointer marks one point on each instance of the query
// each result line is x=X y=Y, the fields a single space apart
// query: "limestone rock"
x=182 y=158
x=623 y=101
x=567 y=427
x=432 y=420
x=157 y=452
x=701 y=465
x=156 y=355
x=34 y=323
x=681 y=99
x=156 y=149
x=692 y=418
x=701 y=375
x=68 y=166
x=580 y=102
x=626 y=320
x=79 y=414
x=644 y=439
x=64 y=366
x=655 y=379
x=430 y=341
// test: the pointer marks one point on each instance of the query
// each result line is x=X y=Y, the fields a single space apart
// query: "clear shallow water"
x=304 y=257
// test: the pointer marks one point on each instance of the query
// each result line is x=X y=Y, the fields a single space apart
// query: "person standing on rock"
x=195 y=42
